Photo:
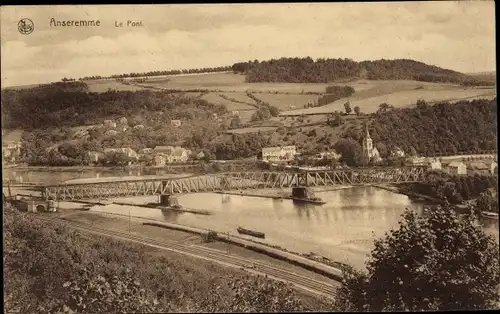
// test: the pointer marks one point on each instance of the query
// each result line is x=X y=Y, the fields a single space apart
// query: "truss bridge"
x=228 y=181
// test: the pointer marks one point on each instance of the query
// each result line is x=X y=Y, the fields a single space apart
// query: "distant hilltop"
x=307 y=70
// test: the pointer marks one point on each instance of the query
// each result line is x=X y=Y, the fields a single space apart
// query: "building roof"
x=178 y=151
x=163 y=148
x=276 y=149
x=455 y=164
x=367 y=133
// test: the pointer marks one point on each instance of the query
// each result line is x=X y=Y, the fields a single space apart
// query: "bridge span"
x=231 y=181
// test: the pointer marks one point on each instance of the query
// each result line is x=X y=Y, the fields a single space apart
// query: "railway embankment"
x=293 y=258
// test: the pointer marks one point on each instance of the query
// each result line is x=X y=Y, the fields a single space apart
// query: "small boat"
x=251 y=233
x=314 y=200
x=489 y=215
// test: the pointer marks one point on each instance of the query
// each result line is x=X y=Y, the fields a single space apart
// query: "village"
x=280 y=156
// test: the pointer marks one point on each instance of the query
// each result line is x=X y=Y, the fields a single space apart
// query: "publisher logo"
x=25 y=26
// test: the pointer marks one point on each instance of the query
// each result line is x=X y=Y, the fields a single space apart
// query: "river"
x=343 y=229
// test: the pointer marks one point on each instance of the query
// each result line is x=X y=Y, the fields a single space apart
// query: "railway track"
x=321 y=288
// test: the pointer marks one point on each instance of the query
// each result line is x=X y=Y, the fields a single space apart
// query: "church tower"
x=367 y=144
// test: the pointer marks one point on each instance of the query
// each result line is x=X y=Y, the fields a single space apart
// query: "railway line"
x=320 y=288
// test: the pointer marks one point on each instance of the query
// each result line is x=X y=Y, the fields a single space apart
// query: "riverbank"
x=295 y=259
x=417 y=196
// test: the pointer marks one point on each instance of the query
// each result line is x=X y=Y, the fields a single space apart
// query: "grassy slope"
x=178 y=282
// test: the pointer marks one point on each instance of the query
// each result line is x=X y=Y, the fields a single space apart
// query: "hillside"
x=301 y=70
x=53 y=269
x=71 y=104
x=441 y=129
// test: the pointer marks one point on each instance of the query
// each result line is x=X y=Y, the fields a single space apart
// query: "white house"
x=284 y=153
x=492 y=165
x=397 y=152
x=93 y=156
x=417 y=161
x=110 y=133
x=159 y=160
x=434 y=164
x=109 y=124
x=235 y=113
x=328 y=155
x=138 y=126
x=123 y=121
x=173 y=154
x=127 y=151
x=456 y=167
x=175 y=123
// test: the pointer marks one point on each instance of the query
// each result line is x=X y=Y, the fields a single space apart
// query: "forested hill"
x=71 y=104
x=306 y=70
x=441 y=129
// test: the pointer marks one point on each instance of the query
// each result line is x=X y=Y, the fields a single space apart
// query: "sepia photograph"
x=251 y=157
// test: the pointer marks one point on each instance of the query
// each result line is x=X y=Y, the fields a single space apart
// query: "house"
x=397 y=152
x=235 y=113
x=127 y=151
x=284 y=153
x=455 y=167
x=175 y=123
x=93 y=157
x=11 y=150
x=146 y=151
x=478 y=168
x=434 y=164
x=328 y=155
x=215 y=116
x=123 y=121
x=172 y=154
x=109 y=124
x=200 y=155
x=492 y=165
x=159 y=160
x=110 y=133
x=179 y=155
x=138 y=126
x=417 y=161
x=163 y=149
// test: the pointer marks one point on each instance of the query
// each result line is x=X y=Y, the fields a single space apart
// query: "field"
x=290 y=98
x=101 y=86
x=252 y=130
x=286 y=101
x=230 y=105
x=401 y=98
x=229 y=82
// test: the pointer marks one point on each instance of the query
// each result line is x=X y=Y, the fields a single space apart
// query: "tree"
x=383 y=107
x=347 y=107
x=235 y=123
x=357 y=110
x=435 y=261
x=351 y=151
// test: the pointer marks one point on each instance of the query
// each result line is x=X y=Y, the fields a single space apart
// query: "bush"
x=437 y=262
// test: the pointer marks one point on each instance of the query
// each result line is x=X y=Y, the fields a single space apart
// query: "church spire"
x=367 y=134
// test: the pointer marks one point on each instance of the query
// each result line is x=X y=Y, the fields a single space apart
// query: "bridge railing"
x=233 y=180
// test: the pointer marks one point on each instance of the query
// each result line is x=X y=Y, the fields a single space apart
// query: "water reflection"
x=341 y=229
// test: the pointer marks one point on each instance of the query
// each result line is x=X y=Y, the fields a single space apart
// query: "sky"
x=458 y=35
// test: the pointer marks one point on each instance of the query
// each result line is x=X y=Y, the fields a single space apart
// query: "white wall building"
x=283 y=153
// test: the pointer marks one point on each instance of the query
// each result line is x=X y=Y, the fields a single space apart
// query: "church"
x=369 y=150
